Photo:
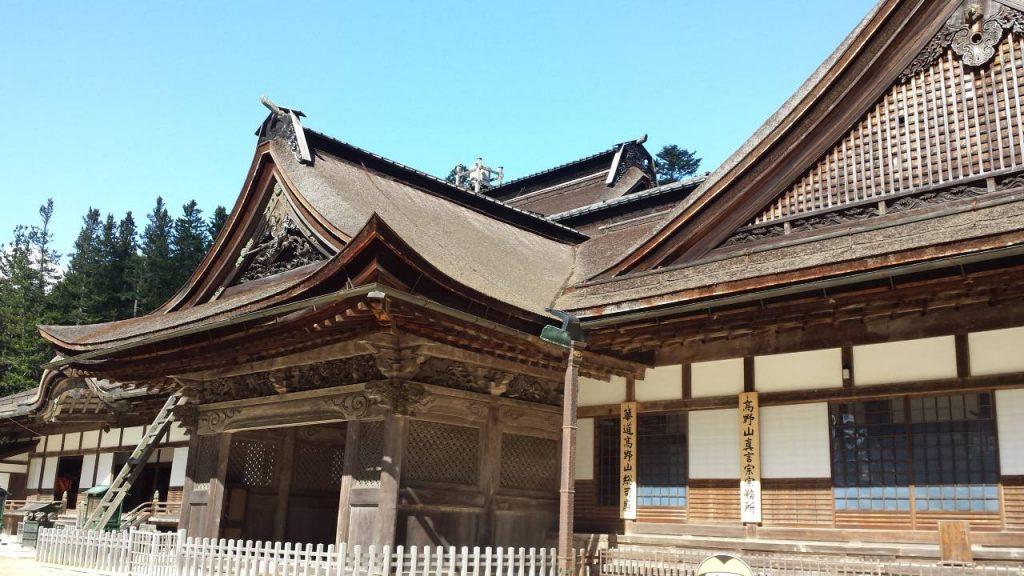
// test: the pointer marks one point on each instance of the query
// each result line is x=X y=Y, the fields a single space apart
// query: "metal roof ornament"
x=479 y=177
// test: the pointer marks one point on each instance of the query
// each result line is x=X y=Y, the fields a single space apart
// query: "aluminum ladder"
x=115 y=495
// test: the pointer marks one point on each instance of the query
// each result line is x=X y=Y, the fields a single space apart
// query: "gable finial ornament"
x=285 y=123
x=970 y=34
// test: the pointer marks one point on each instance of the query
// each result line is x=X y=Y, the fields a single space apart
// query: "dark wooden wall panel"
x=714 y=501
x=1013 y=502
x=797 y=502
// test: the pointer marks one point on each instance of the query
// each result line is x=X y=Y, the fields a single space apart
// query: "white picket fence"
x=140 y=553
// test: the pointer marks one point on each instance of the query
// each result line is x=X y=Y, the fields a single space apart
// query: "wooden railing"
x=143 y=553
x=13 y=505
x=618 y=562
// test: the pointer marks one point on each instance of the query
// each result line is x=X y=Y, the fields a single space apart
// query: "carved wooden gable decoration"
x=280 y=242
x=953 y=118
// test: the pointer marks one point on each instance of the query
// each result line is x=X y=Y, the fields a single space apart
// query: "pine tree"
x=127 y=267
x=27 y=269
x=220 y=216
x=157 y=280
x=76 y=300
x=674 y=163
x=191 y=237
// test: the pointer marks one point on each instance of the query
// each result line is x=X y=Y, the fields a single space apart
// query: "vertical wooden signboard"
x=627 y=461
x=750 y=458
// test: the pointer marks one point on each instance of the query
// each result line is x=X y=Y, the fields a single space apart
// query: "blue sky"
x=111 y=104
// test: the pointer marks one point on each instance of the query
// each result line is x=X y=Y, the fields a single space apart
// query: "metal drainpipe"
x=567 y=489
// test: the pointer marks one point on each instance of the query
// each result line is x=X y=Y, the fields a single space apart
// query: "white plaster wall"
x=110 y=439
x=72 y=441
x=104 y=464
x=178 y=433
x=714 y=443
x=88 y=469
x=795 y=442
x=13 y=467
x=53 y=442
x=5 y=480
x=598 y=392
x=996 y=351
x=585 y=449
x=661 y=383
x=132 y=436
x=49 y=473
x=716 y=378
x=23 y=457
x=90 y=439
x=799 y=370
x=41 y=445
x=904 y=361
x=35 y=467
x=178 y=463
x=1010 y=428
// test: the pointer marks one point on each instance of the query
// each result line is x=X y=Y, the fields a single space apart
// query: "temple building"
x=819 y=341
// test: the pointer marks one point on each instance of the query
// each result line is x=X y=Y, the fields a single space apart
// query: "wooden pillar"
x=490 y=474
x=348 y=469
x=567 y=488
x=396 y=428
x=284 y=486
x=188 y=489
x=215 y=507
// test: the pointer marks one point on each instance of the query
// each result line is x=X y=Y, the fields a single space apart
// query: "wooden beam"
x=963 y=356
x=887 y=328
x=748 y=373
x=847 y=366
x=947 y=385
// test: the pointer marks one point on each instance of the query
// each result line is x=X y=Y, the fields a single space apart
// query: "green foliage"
x=673 y=163
x=112 y=273
x=220 y=216
x=27 y=272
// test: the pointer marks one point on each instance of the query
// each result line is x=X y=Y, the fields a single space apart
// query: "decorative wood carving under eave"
x=282 y=245
x=333 y=405
x=398 y=396
x=929 y=197
x=352 y=370
x=485 y=380
x=971 y=35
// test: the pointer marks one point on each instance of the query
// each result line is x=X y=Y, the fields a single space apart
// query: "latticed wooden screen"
x=205 y=462
x=946 y=123
x=528 y=462
x=253 y=463
x=318 y=467
x=442 y=453
x=371 y=449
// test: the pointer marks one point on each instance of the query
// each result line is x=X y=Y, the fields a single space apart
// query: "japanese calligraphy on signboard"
x=750 y=458
x=627 y=461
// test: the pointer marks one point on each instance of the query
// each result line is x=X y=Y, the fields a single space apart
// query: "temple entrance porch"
x=386 y=462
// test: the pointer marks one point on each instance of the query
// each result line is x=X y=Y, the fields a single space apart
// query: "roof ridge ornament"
x=970 y=34
x=284 y=123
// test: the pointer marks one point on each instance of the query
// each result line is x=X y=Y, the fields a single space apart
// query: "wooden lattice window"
x=956 y=465
x=371 y=450
x=937 y=451
x=661 y=460
x=442 y=453
x=318 y=467
x=205 y=462
x=252 y=463
x=870 y=464
x=606 y=454
x=529 y=463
